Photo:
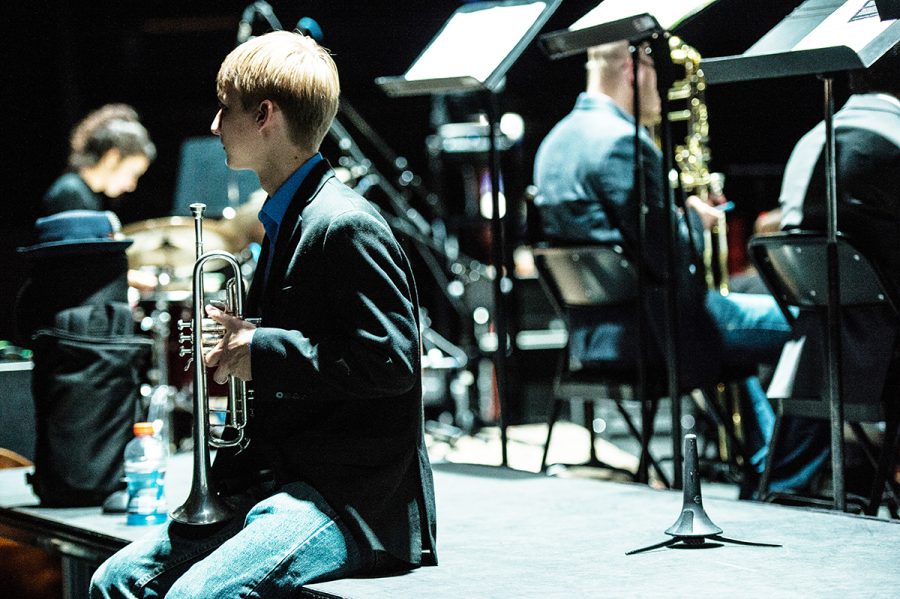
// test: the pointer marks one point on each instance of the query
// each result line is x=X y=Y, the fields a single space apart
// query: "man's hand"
x=232 y=353
x=709 y=215
x=142 y=280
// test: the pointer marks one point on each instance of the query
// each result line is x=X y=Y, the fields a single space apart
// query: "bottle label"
x=146 y=504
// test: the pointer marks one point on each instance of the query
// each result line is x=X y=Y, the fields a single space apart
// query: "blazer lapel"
x=254 y=293
x=289 y=232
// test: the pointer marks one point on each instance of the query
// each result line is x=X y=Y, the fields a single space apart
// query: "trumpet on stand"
x=203 y=505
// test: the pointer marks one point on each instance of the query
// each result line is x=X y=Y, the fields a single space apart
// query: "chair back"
x=794 y=267
x=586 y=276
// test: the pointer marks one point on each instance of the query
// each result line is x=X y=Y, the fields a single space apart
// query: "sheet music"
x=474 y=43
x=667 y=13
x=782 y=385
x=855 y=24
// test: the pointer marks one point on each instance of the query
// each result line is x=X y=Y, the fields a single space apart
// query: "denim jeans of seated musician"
x=753 y=331
x=285 y=541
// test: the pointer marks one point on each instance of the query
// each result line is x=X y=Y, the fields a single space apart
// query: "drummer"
x=109 y=150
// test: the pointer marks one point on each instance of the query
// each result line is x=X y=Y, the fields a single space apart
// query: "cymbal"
x=244 y=227
x=170 y=242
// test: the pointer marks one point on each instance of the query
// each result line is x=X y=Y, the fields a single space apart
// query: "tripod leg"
x=736 y=542
x=671 y=541
x=555 y=406
x=637 y=435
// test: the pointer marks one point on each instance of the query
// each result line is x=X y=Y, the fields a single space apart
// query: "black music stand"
x=615 y=20
x=821 y=38
x=472 y=52
x=639 y=21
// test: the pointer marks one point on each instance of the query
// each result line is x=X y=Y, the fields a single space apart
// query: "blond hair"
x=293 y=71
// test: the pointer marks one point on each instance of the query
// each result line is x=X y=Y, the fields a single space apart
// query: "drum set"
x=164 y=251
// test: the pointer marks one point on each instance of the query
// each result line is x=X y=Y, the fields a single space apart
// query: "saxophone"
x=692 y=158
x=693 y=177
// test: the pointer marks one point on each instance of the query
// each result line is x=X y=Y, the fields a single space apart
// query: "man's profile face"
x=236 y=127
x=123 y=176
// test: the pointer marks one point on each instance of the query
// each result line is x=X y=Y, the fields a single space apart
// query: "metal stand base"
x=696 y=542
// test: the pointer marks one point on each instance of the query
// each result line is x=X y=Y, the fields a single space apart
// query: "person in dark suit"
x=867 y=148
x=584 y=172
x=336 y=479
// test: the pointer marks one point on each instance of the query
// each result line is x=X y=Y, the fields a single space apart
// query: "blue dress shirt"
x=275 y=207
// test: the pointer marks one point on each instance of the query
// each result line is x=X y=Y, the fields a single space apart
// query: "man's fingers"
x=214 y=355
x=220 y=375
x=219 y=316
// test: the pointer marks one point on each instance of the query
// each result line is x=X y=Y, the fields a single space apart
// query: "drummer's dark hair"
x=113 y=126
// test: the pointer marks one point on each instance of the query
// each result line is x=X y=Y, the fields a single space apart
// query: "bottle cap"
x=143 y=428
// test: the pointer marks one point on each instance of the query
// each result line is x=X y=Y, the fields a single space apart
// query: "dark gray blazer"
x=336 y=371
x=584 y=171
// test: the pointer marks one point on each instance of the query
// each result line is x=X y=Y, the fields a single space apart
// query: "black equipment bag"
x=86 y=387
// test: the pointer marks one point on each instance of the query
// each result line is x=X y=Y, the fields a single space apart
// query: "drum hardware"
x=168 y=244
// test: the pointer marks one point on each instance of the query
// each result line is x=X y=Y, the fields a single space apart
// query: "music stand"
x=811 y=40
x=204 y=176
x=639 y=21
x=615 y=20
x=472 y=52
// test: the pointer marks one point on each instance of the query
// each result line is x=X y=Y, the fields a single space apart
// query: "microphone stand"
x=409 y=221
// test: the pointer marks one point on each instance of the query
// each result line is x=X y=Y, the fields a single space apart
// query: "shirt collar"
x=273 y=211
x=592 y=101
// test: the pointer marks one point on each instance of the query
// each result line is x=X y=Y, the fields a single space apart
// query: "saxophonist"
x=584 y=172
x=335 y=481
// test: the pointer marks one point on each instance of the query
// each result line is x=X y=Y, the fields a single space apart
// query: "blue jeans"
x=287 y=540
x=753 y=331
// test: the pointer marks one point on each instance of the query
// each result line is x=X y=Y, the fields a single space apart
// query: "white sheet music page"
x=474 y=43
x=667 y=13
x=854 y=25
x=782 y=384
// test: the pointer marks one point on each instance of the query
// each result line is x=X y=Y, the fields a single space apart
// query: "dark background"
x=64 y=59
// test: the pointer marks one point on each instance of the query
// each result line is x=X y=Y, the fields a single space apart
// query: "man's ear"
x=263 y=112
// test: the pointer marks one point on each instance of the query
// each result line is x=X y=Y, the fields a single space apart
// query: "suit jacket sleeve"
x=370 y=348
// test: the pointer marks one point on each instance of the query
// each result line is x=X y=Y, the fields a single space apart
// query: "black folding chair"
x=794 y=268
x=592 y=277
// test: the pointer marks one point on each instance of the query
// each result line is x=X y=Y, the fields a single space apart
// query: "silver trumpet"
x=203 y=505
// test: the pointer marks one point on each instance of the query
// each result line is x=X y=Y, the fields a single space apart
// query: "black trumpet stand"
x=693 y=526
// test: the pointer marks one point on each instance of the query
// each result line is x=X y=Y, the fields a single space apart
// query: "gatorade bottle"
x=145 y=470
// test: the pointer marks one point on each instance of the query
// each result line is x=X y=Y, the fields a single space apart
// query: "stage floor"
x=504 y=533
